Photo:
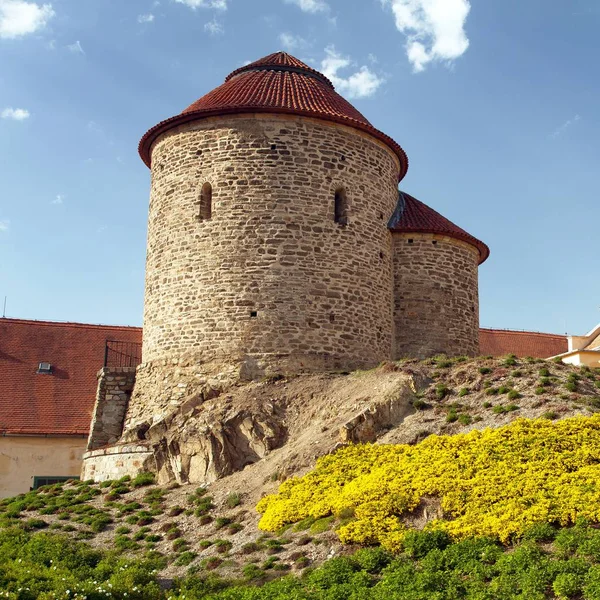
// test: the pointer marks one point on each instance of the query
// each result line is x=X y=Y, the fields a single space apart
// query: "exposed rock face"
x=216 y=431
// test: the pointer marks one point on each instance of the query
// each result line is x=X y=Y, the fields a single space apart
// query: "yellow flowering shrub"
x=494 y=482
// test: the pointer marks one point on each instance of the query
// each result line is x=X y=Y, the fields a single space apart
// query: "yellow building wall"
x=590 y=359
x=22 y=458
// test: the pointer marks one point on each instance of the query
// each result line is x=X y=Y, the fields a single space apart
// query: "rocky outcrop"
x=200 y=442
x=222 y=426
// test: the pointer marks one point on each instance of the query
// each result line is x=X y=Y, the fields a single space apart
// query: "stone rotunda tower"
x=277 y=243
x=268 y=241
x=436 y=291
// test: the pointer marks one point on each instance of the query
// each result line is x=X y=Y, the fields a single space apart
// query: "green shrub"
x=419 y=404
x=517 y=373
x=566 y=585
x=441 y=391
x=419 y=543
x=451 y=416
x=550 y=414
x=100 y=523
x=463 y=392
x=185 y=558
x=544 y=372
x=250 y=548
x=223 y=545
x=233 y=528
x=203 y=505
x=233 y=499
x=221 y=522
x=175 y=511
x=485 y=370
x=540 y=532
x=510 y=361
x=143 y=479
x=513 y=395
x=252 y=572
x=503 y=389
x=373 y=560
x=32 y=524
x=465 y=419
x=211 y=563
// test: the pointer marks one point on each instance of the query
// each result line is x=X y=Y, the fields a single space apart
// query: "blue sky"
x=496 y=104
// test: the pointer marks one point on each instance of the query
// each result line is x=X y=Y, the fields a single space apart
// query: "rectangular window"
x=40 y=480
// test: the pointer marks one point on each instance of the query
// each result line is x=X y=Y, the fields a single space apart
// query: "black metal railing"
x=122 y=354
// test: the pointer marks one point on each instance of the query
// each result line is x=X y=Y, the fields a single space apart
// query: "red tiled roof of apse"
x=499 y=342
x=278 y=83
x=413 y=216
x=60 y=403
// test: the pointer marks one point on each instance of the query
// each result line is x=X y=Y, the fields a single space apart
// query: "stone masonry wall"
x=115 y=385
x=270 y=282
x=436 y=304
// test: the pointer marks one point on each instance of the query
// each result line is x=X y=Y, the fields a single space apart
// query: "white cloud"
x=4 y=225
x=19 y=18
x=93 y=126
x=214 y=27
x=434 y=29
x=292 y=42
x=359 y=84
x=76 y=47
x=16 y=114
x=58 y=200
x=145 y=18
x=217 y=4
x=565 y=126
x=310 y=6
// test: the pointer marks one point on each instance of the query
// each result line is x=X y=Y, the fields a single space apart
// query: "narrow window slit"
x=341 y=207
x=205 y=213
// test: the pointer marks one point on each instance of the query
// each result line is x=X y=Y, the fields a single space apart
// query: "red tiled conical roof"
x=413 y=216
x=279 y=59
x=278 y=83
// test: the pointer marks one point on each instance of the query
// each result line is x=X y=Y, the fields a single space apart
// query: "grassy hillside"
x=458 y=512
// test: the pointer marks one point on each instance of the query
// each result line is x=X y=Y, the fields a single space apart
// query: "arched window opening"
x=341 y=207
x=205 y=202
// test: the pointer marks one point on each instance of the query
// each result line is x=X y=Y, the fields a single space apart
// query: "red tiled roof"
x=278 y=83
x=280 y=59
x=498 y=342
x=413 y=216
x=60 y=403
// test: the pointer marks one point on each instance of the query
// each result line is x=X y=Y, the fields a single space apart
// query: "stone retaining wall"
x=115 y=385
x=117 y=461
